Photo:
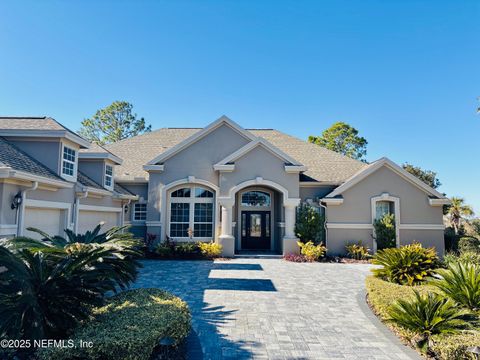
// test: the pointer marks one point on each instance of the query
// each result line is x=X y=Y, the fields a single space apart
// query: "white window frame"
x=75 y=163
x=105 y=175
x=396 y=212
x=134 y=212
x=192 y=200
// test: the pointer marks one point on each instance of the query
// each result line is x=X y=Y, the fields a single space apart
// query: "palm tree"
x=457 y=211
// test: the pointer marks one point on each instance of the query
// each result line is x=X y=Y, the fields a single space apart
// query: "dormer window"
x=108 y=176
x=69 y=162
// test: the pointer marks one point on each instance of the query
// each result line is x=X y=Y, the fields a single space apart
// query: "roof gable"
x=376 y=165
x=259 y=142
x=222 y=121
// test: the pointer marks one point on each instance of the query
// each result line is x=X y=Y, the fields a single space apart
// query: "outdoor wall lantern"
x=17 y=201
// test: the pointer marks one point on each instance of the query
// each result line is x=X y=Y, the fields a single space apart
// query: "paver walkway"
x=273 y=309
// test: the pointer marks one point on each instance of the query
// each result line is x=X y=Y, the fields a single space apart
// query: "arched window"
x=256 y=198
x=191 y=212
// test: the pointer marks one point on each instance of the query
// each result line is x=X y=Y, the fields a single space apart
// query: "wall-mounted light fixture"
x=17 y=201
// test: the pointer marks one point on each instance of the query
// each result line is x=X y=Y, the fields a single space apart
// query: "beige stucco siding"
x=428 y=238
x=260 y=162
x=414 y=205
x=356 y=209
x=339 y=238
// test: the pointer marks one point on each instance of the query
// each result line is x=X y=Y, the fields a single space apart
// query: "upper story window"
x=69 y=161
x=256 y=199
x=139 y=212
x=109 y=176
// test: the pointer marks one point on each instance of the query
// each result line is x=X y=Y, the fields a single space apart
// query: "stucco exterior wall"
x=7 y=192
x=48 y=152
x=94 y=169
x=260 y=162
x=339 y=238
x=356 y=209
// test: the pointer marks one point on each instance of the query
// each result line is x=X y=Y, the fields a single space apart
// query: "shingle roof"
x=323 y=165
x=86 y=181
x=13 y=157
x=35 y=124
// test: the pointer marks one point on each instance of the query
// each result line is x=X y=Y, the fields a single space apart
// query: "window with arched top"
x=256 y=198
x=191 y=212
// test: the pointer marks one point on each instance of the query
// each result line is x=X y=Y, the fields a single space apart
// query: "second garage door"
x=89 y=219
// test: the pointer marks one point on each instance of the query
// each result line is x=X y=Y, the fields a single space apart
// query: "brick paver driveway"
x=273 y=309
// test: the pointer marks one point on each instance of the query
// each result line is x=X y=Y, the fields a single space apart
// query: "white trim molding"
x=292 y=169
x=224 y=168
x=99 y=208
x=46 y=134
x=8 y=172
x=422 y=227
x=153 y=223
x=223 y=120
x=85 y=155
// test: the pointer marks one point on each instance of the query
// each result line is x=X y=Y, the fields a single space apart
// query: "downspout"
x=76 y=213
x=325 y=222
x=21 y=212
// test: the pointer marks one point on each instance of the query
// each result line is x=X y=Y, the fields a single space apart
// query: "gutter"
x=21 y=209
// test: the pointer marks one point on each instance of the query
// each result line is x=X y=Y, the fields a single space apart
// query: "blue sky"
x=405 y=73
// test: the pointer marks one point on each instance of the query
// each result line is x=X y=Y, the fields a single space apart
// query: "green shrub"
x=187 y=249
x=461 y=283
x=50 y=285
x=358 y=251
x=128 y=327
x=426 y=315
x=309 y=224
x=381 y=294
x=210 y=249
x=409 y=264
x=466 y=257
x=311 y=251
x=385 y=233
x=469 y=244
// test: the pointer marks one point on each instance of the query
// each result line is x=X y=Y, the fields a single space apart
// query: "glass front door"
x=255 y=230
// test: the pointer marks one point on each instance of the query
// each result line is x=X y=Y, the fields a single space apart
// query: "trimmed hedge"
x=128 y=327
x=469 y=244
x=446 y=347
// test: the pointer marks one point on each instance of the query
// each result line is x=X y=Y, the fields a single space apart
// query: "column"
x=290 y=240
x=226 y=239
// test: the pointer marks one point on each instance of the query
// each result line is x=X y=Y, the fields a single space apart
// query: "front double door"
x=256 y=230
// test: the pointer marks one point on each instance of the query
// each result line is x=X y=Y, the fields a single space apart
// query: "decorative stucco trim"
x=224 y=168
x=153 y=223
x=99 y=208
x=46 y=204
x=396 y=208
x=291 y=169
x=154 y=168
x=360 y=226
x=254 y=144
x=223 y=120
x=257 y=181
x=373 y=167
x=318 y=183
x=439 y=202
x=332 y=201
x=422 y=227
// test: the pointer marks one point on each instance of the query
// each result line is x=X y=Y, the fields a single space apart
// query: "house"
x=52 y=179
x=239 y=187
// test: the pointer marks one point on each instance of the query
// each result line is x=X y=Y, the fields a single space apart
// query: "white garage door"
x=47 y=220
x=89 y=219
